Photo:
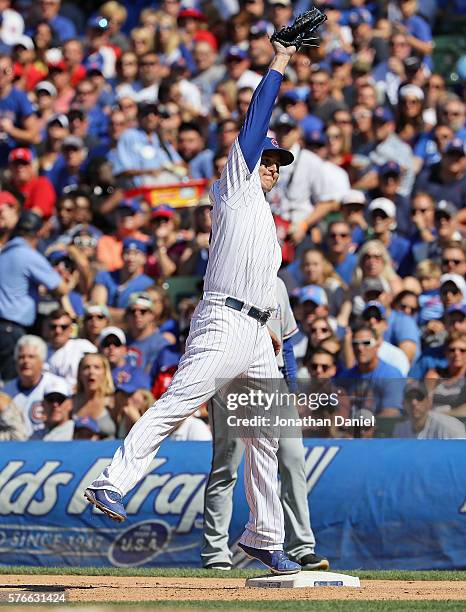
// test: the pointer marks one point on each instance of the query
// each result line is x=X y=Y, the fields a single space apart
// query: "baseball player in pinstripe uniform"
x=228 y=451
x=228 y=336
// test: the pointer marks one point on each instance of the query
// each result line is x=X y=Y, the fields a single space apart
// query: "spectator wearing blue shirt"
x=87 y=100
x=373 y=384
x=192 y=148
x=115 y=288
x=141 y=154
x=340 y=249
x=112 y=344
x=294 y=104
x=353 y=205
x=145 y=341
x=66 y=172
x=19 y=125
x=62 y=27
x=382 y=214
x=22 y=270
x=446 y=180
x=417 y=29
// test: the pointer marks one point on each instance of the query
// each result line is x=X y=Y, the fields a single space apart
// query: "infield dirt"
x=120 y=589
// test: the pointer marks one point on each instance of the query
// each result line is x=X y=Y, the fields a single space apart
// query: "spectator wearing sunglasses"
x=452 y=290
x=372 y=383
x=112 y=343
x=64 y=351
x=454 y=258
x=145 y=340
x=424 y=423
x=389 y=183
x=450 y=383
x=58 y=424
x=96 y=319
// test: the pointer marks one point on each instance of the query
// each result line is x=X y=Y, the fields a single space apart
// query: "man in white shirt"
x=423 y=423
x=27 y=390
x=65 y=352
x=58 y=424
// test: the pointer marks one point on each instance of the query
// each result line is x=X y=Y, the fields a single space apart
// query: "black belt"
x=260 y=315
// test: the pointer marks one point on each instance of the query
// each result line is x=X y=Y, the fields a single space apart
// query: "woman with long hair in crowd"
x=95 y=393
x=163 y=313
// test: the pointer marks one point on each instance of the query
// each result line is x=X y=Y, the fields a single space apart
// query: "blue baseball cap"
x=130 y=379
x=133 y=243
x=456 y=146
x=56 y=256
x=315 y=137
x=383 y=115
x=87 y=423
x=98 y=23
x=260 y=28
x=358 y=16
x=295 y=95
x=338 y=56
x=313 y=293
x=391 y=167
x=133 y=204
x=375 y=305
x=271 y=144
x=164 y=210
x=237 y=52
x=457 y=308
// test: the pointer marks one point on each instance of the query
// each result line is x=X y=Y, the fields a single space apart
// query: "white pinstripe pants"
x=222 y=344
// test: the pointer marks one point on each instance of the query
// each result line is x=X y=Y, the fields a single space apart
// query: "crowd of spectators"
x=101 y=101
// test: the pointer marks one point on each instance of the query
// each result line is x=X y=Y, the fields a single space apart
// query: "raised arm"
x=256 y=123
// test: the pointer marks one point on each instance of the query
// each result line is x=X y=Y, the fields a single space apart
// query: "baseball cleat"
x=109 y=502
x=313 y=562
x=276 y=560
x=224 y=567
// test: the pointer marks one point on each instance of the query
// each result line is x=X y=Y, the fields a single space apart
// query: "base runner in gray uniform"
x=228 y=450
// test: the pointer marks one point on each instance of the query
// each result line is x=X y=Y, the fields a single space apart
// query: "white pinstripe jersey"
x=244 y=254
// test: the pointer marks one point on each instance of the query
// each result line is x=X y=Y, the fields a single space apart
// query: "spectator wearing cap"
x=18 y=121
x=374 y=314
x=452 y=290
x=170 y=247
x=280 y=13
x=446 y=180
x=388 y=147
x=58 y=424
x=114 y=288
x=66 y=172
x=423 y=423
x=238 y=68
x=339 y=249
x=9 y=215
x=101 y=55
x=12 y=424
x=112 y=344
x=302 y=185
x=130 y=218
x=192 y=148
x=94 y=396
x=260 y=50
x=382 y=214
x=96 y=319
x=32 y=379
x=454 y=258
x=132 y=399
x=86 y=428
x=388 y=186
x=353 y=205
x=64 y=350
x=145 y=340
x=22 y=270
x=410 y=117
x=46 y=93
x=294 y=104
x=140 y=156
x=27 y=69
x=37 y=191
x=73 y=267
x=62 y=27
x=12 y=24
x=372 y=383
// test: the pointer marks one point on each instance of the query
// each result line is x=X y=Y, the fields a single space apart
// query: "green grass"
x=201 y=573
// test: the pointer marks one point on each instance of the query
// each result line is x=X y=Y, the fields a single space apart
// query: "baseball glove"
x=300 y=32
